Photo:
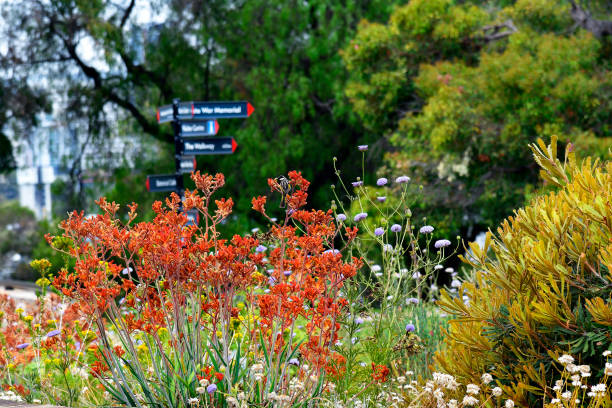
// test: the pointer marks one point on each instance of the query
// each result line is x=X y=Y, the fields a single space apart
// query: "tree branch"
x=127 y=13
x=92 y=73
x=583 y=18
x=499 y=31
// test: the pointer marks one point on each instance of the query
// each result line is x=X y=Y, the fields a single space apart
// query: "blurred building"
x=53 y=151
x=38 y=157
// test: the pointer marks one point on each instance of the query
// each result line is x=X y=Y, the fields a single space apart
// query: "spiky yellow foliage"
x=543 y=285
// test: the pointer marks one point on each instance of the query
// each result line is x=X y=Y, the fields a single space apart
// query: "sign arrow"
x=187 y=164
x=162 y=182
x=209 y=145
x=199 y=128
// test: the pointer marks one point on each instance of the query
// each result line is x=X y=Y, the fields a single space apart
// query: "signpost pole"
x=176 y=126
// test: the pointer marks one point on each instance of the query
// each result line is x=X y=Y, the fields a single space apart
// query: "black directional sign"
x=187 y=164
x=210 y=110
x=206 y=110
x=209 y=145
x=199 y=128
x=163 y=182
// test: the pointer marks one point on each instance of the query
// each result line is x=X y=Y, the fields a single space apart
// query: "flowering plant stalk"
x=44 y=347
x=402 y=260
x=186 y=317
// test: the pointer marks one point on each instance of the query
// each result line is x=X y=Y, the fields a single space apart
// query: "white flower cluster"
x=445 y=380
x=573 y=383
x=434 y=391
x=10 y=396
x=257 y=370
x=281 y=400
x=202 y=388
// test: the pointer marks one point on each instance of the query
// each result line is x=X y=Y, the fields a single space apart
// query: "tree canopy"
x=451 y=90
x=461 y=88
x=282 y=57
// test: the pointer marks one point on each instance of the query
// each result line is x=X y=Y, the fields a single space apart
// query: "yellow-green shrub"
x=543 y=289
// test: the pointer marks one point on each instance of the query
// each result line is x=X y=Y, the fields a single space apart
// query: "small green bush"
x=545 y=291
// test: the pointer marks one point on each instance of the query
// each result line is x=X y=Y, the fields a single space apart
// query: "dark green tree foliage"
x=461 y=88
x=281 y=56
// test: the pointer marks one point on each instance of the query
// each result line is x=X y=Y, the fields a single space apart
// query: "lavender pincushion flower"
x=260 y=248
x=426 y=229
x=357 y=183
x=211 y=388
x=442 y=243
x=381 y=199
x=410 y=328
x=341 y=217
x=53 y=333
x=396 y=228
x=402 y=179
x=360 y=217
x=381 y=181
x=362 y=148
x=22 y=346
x=358 y=320
x=379 y=231
x=294 y=361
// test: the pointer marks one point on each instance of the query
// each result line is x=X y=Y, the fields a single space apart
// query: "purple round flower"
x=272 y=281
x=331 y=251
x=294 y=361
x=287 y=273
x=410 y=328
x=211 y=388
x=381 y=181
x=381 y=199
x=53 y=333
x=362 y=148
x=426 y=229
x=402 y=179
x=260 y=248
x=22 y=346
x=358 y=183
x=412 y=300
x=358 y=320
x=442 y=243
x=341 y=217
x=360 y=217
x=379 y=231
x=396 y=228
